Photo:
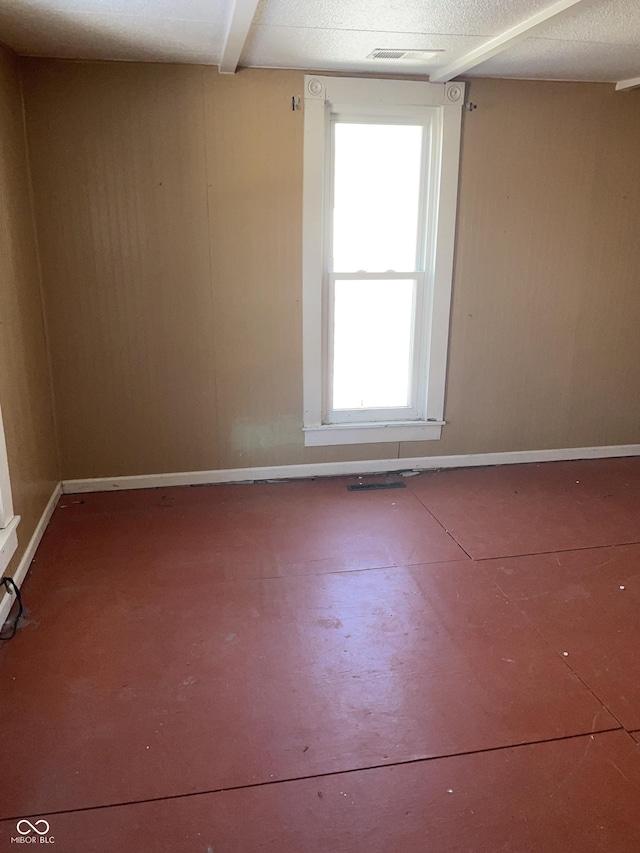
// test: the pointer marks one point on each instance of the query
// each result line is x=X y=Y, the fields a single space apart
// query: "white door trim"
x=6 y=501
x=7 y=600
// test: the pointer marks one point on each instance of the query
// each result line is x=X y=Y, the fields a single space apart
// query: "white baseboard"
x=23 y=566
x=332 y=469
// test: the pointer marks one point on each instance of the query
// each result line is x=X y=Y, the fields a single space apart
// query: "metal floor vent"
x=373 y=487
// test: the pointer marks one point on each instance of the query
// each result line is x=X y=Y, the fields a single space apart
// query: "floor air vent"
x=374 y=487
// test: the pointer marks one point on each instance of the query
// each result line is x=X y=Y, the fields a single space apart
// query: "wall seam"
x=209 y=241
x=43 y=310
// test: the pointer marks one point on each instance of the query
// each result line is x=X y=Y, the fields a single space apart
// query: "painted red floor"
x=578 y=794
x=338 y=661
x=529 y=509
x=250 y=531
x=586 y=605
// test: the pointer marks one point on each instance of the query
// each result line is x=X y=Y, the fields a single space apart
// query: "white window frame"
x=441 y=105
x=8 y=521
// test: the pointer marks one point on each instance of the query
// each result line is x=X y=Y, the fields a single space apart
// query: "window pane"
x=376 y=195
x=372 y=344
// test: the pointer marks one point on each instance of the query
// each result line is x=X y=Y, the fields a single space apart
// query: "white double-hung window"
x=380 y=189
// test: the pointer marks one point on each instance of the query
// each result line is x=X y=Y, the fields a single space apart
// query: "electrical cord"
x=5 y=583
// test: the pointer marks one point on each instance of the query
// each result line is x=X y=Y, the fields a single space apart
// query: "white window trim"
x=324 y=95
x=8 y=521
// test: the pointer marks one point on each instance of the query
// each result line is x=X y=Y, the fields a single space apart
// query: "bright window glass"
x=372 y=338
x=376 y=196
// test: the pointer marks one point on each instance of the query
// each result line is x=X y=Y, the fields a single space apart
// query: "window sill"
x=8 y=543
x=371 y=433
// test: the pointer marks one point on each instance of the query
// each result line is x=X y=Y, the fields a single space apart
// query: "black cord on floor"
x=5 y=582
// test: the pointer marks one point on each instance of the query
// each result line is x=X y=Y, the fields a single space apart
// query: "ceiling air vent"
x=413 y=55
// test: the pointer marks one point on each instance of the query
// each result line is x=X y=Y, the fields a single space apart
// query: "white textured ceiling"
x=162 y=30
x=456 y=17
x=597 y=40
x=553 y=59
x=346 y=50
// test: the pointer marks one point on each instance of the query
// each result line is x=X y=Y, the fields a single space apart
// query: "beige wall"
x=168 y=204
x=24 y=374
x=544 y=348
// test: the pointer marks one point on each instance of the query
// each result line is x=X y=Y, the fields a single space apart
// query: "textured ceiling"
x=162 y=30
x=458 y=17
x=551 y=59
x=346 y=50
x=597 y=40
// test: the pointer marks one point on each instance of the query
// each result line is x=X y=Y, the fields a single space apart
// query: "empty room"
x=320 y=426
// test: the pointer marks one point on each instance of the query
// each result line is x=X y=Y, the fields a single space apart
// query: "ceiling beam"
x=505 y=40
x=239 y=26
x=625 y=85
